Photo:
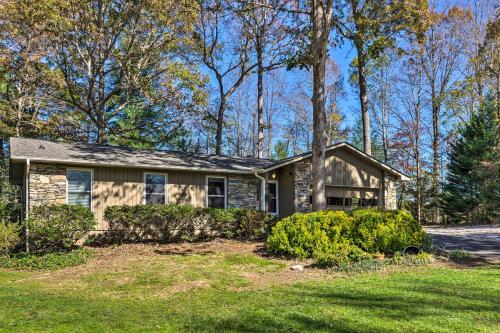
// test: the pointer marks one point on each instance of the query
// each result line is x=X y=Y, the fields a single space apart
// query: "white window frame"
x=225 y=189
x=91 y=185
x=277 y=197
x=166 y=185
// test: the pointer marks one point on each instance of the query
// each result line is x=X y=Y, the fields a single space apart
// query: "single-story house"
x=98 y=176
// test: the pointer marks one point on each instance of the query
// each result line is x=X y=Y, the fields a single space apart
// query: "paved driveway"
x=482 y=241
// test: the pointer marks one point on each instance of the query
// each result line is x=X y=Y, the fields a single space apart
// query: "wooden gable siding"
x=125 y=186
x=343 y=168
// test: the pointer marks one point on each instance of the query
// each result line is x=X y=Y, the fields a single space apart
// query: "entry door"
x=272 y=197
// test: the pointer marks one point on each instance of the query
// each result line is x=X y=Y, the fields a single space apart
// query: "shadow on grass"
x=451 y=300
x=183 y=252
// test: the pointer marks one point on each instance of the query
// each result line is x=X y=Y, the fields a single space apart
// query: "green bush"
x=324 y=236
x=337 y=237
x=58 y=227
x=385 y=231
x=30 y=261
x=170 y=223
x=9 y=237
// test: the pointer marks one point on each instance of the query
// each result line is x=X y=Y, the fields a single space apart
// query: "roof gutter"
x=141 y=166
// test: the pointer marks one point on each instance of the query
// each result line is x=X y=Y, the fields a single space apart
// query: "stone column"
x=301 y=187
x=390 y=198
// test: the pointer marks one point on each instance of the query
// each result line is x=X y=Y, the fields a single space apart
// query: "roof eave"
x=402 y=177
x=141 y=166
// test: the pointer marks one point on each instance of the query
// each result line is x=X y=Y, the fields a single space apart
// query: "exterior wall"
x=243 y=191
x=301 y=186
x=286 y=190
x=47 y=185
x=125 y=186
x=346 y=169
x=347 y=175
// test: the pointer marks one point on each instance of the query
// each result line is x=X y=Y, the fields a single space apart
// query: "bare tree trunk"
x=418 y=193
x=385 y=136
x=260 y=98
x=435 y=153
x=101 y=128
x=220 y=123
x=321 y=19
x=363 y=98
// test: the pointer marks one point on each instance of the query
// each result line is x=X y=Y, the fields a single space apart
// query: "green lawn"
x=215 y=291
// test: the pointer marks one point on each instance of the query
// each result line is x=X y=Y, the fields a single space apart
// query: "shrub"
x=58 y=227
x=386 y=231
x=9 y=237
x=460 y=256
x=324 y=236
x=30 y=261
x=251 y=223
x=169 y=223
x=337 y=237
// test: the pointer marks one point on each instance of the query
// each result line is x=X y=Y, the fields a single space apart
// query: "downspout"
x=262 y=191
x=383 y=189
x=26 y=198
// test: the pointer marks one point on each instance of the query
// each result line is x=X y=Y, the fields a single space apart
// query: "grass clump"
x=460 y=256
x=56 y=260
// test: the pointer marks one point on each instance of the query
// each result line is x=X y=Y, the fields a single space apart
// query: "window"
x=155 y=188
x=352 y=202
x=272 y=197
x=369 y=202
x=216 y=192
x=335 y=201
x=79 y=187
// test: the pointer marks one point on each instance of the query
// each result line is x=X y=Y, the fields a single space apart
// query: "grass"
x=217 y=291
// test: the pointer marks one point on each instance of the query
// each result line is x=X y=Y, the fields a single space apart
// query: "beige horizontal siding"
x=125 y=186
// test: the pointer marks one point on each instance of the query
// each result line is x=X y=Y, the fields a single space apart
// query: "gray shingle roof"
x=88 y=154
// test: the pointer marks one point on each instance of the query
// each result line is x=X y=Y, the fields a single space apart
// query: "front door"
x=272 y=197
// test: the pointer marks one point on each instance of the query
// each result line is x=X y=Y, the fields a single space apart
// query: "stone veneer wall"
x=242 y=192
x=47 y=184
x=301 y=187
x=390 y=198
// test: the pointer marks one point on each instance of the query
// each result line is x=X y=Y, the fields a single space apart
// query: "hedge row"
x=53 y=228
x=337 y=237
x=170 y=223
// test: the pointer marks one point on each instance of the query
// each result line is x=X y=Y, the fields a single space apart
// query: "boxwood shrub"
x=170 y=223
x=53 y=228
x=337 y=237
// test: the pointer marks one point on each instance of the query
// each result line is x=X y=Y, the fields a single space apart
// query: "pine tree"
x=472 y=191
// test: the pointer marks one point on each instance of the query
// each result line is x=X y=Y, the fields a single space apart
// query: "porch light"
x=273 y=175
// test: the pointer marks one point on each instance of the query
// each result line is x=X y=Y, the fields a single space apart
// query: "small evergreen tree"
x=472 y=189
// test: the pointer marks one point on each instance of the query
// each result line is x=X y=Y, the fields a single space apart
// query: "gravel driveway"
x=482 y=241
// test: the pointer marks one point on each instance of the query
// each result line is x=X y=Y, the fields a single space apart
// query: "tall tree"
x=321 y=18
x=442 y=60
x=410 y=130
x=264 y=21
x=373 y=26
x=26 y=108
x=226 y=51
x=472 y=194
x=119 y=56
